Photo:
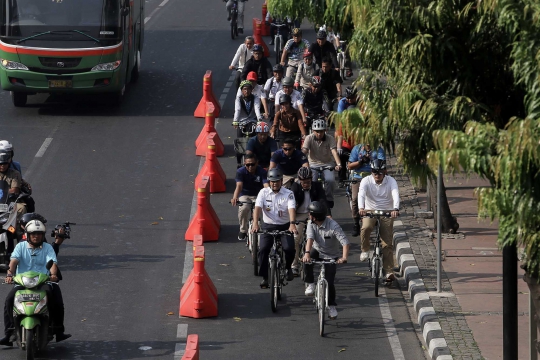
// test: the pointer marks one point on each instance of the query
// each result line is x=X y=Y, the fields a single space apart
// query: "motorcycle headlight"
x=30 y=282
x=41 y=305
x=107 y=66
x=19 y=305
x=3 y=218
x=12 y=65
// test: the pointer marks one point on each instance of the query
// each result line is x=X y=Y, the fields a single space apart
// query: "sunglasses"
x=287 y=149
x=376 y=172
x=250 y=164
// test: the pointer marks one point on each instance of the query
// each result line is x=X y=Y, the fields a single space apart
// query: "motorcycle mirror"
x=49 y=264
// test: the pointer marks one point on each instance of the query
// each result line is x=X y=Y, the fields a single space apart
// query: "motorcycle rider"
x=6 y=146
x=13 y=179
x=259 y=64
x=292 y=52
x=241 y=4
x=242 y=55
x=306 y=70
x=33 y=255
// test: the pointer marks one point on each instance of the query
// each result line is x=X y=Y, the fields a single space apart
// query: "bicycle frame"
x=376 y=256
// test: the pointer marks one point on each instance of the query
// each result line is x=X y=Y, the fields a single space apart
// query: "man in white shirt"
x=242 y=55
x=379 y=192
x=278 y=208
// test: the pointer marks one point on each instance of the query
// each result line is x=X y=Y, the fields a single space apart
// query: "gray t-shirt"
x=326 y=238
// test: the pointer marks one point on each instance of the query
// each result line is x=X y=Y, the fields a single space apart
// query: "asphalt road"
x=125 y=176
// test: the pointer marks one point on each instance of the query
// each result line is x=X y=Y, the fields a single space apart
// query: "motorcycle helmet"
x=262 y=127
x=6 y=146
x=284 y=98
x=318 y=124
x=275 y=174
x=251 y=76
x=35 y=226
x=317 y=210
x=288 y=81
x=26 y=218
x=304 y=173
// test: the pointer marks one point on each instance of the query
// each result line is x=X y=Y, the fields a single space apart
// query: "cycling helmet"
x=316 y=81
x=307 y=54
x=275 y=174
x=378 y=165
x=257 y=47
x=26 y=218
x=317 y=210
x=5 y=146
x=284 y=98
x=321 y=34
x=5 y=158
x=246 y=83
x=35 y=226
x=319 y=124
x=262 y=127
x=304 y=173
x=287 y=81
x=251 y=76
x=350 y=92
x=278 y=68
x=296 y=32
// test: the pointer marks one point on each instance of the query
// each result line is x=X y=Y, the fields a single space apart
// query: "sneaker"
x=290 y=276
x=332 y=312
x=310 y=290
x=6 y=340
x=242 y=236
x=356 y=229
x=296 y=272
x=240 y=31
x=364 y=256
x=390 y=277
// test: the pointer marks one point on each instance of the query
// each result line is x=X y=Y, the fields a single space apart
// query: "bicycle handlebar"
x=378 y=213
x=238 y=202
x=323 y=262
x=300 y=222
x=322 y=168
x=274 y=232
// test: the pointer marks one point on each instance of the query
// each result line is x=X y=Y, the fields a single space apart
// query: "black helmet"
x=321 y=34
x=287 y=81
x=317 y=210
x=378 y=165
x=275 y=174
x=284 y=98
x=304 y=173
x=31 y=216
x=257 y=48
x=277 y=68
x=351 y=92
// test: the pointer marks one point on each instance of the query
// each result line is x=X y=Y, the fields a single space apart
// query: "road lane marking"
x=179 y=350
x=181 y=332
x=164 y=2
x=44 y=147
x=146 y=19
x=393 y=338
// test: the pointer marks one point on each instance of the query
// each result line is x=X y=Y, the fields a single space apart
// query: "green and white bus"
x=70 y=46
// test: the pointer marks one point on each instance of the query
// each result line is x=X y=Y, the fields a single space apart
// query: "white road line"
x=153 y=12
x=228 y=84
x=164 y=2
x=146 y=19
x=44 y=147
x=181 y=332
x=179 y=350
x=393 y=338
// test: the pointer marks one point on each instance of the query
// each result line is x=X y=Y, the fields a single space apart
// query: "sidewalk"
x=469 y=311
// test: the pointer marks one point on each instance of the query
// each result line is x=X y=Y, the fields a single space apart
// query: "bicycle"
x=276 y=263
x=375 y=257
x=341 y=59
x=302 y=246
x=320 y=173
x=320 y=298
x=348 y=189
x=233 y=14
x=252 y=240
x=246 y=129
x=278 y=39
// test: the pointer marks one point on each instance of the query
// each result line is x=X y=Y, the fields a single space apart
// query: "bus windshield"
x=23 y=19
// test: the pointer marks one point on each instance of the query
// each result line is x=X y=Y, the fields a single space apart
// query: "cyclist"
x=259 y=64
x=262 y=145
x=330 y=79
x=379 y=192
x=250 y=179
x=240 y=3
x=288 y=159
x=306 y=70
x=322 y=48
x=360 y=162
x=277 y=206
x=292 y=52
x=321 y=150
x=247 y=105
x=323 y=238
x=288 y=122
x=272 y=87
x=242 y=55
x=315 y=99
x=305 y=192
x=345 y=50
x=296 y=96
x=258 y=90
x=350 y=100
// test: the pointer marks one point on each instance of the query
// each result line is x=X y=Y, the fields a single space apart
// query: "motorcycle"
x=30 y=312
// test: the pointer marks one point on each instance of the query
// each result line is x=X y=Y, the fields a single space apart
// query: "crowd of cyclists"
x=287 y=106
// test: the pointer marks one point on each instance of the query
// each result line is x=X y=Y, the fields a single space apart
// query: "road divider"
x=205 y=222
x=209 y=130
x=192 y=348
x=198 y=297
x=258 y=38
x=208 y=96
x=265 y=29
x=212 y=168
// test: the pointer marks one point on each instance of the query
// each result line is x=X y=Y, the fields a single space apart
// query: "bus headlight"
x=107 y=66
x=12 y=65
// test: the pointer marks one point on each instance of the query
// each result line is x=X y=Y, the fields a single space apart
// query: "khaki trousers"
x=298 y=238
x=386 y=232
x=244 y=212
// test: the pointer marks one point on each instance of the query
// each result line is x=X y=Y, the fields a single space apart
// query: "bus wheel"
x=19 y=99
x=136 y=68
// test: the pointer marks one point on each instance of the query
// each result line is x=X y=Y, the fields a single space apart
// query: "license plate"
x=4 y=207
x=30 y=297
x=60 y=83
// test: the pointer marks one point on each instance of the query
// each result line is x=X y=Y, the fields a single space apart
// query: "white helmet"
x=35 y=226
x=319 y=125
x=5 y=146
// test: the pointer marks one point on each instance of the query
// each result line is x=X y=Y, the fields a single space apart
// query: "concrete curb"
x=427 y=317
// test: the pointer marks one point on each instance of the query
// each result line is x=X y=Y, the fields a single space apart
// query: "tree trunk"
x=449 y=224
x=534 y=288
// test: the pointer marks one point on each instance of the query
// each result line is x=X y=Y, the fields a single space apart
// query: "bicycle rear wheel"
x=273 y=285
x=255 y=253
x=321 y=304
x=278 y=50
x=234 y=26
x=281 y=279
x=377 y=274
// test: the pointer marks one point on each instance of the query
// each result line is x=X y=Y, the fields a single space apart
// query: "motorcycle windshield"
x=4 y=189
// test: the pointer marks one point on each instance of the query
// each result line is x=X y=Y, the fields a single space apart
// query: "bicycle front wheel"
x=377 y=274
x=321 y=304
x=234 y=27
x=273 y=285
x=278 y=49
x=254 y=253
